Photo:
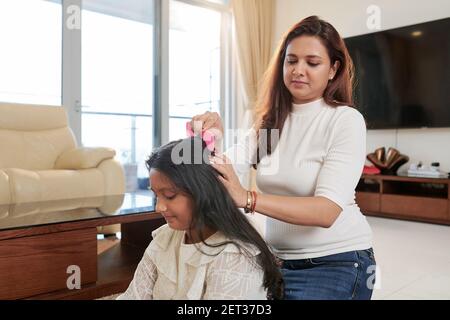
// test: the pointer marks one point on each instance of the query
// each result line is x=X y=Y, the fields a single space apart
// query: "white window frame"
x=225 y=64
x=71 y=69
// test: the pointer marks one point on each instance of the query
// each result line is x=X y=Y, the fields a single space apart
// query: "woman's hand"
x=229 y=179
x=208 y=121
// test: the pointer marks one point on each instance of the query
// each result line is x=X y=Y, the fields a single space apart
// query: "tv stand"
x=401 y=197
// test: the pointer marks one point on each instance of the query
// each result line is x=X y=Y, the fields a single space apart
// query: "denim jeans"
x=342 y=276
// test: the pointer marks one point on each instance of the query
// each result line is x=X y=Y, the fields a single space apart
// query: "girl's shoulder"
x=233 y=245
x=215 y=247
x=164 y=229
x=219 y=247
x=164 y=237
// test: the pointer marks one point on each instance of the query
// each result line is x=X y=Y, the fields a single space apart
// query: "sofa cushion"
x=33 y=150
x=114 y=177
x=30 y=186
x=28 y=117
x=33 y=136
x=5 y=194
x=83 y=158
x=55 y=210
x=4 y=211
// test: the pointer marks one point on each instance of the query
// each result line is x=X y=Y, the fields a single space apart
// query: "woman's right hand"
x=208 y=121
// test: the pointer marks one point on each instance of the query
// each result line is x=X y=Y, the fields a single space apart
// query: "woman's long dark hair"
x=275 y=101
x=191 y=174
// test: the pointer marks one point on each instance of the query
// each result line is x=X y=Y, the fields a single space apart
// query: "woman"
x=313 y=222
x=208 y=249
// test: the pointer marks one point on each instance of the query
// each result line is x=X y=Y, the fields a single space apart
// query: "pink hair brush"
x=207 y=137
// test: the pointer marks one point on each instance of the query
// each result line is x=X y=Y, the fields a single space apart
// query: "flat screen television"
x=403 y=76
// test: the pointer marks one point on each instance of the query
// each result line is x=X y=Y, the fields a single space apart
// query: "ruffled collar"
x=167 y=241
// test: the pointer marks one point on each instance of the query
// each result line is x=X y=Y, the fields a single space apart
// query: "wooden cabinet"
x=24 y=261
x=368 y=201
x=420 y=199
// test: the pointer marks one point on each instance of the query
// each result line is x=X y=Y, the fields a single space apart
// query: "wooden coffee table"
x=46 y=247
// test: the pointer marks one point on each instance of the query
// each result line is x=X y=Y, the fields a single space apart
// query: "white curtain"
x=253 y=20
x=253 y=30
x=253 y=27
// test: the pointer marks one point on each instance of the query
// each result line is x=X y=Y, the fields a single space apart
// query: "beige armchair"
x=40 y=160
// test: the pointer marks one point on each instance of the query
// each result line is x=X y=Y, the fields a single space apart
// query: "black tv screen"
x=403 y=76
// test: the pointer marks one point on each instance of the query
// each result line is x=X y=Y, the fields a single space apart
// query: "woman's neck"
x=299 y=102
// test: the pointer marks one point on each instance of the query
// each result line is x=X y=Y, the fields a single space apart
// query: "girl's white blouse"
x=173 y=270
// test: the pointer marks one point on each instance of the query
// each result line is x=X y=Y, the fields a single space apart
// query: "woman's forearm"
x=305 y=211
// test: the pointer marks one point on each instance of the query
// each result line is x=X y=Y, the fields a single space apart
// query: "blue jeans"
x=342 y=276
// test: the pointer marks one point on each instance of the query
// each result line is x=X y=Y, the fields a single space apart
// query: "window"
x=30 y=58
x=117 y=82
x=194 y=64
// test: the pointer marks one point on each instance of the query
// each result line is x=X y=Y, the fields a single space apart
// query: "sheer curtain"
x=254 y=28
x=253 y=22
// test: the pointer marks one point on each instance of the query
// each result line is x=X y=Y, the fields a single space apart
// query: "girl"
x=208 y=249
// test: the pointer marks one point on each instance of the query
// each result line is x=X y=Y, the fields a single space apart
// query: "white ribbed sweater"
x=321 y=152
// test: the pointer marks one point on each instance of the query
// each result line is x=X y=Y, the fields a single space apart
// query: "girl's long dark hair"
x=213 y=205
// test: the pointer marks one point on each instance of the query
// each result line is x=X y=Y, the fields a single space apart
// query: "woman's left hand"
x=229 y=179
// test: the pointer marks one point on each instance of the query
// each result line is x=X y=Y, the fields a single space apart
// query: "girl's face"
x=307 y=69
x=176 y=207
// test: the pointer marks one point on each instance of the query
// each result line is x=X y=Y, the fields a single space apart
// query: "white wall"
x=349 y=18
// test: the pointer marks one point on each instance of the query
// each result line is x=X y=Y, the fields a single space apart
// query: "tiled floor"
x=106 y=243
x=413 y=259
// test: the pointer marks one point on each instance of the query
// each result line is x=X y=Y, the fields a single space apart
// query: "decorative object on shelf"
x=420 y=170
x=371 y=170
x=389 y=162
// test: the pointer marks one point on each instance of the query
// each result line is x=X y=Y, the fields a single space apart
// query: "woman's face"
x=307 y=69
x=176 y=207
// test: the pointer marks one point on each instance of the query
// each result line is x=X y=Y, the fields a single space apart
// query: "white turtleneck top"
x=321 y=152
